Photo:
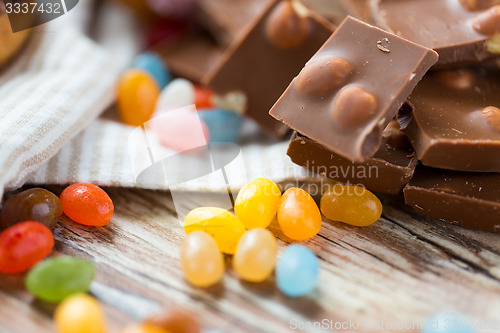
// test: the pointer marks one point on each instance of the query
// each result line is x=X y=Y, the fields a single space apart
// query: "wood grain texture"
x=401 y=269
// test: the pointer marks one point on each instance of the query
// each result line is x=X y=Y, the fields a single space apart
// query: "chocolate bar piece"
x=455 y=123
x=388 y=171
x=267 y=57
x=459 y=30
x=352 y=88
x=463 y=198
x=227 y=19
x=191 y=57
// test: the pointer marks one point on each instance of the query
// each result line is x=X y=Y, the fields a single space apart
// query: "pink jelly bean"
x=171 y=8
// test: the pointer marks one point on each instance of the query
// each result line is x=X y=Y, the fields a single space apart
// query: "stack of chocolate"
x=402 y=98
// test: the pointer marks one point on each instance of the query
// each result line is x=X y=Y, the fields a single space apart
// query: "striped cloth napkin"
x=52 y=95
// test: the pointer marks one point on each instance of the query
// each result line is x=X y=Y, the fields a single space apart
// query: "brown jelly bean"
x=353 y=107
x=288 y=25
x=321 y=76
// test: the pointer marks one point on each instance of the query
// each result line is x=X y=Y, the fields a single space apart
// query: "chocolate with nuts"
x=455 y=123
x=352 y=88
x=461 y=31
x=463 y=198
x=267 y=57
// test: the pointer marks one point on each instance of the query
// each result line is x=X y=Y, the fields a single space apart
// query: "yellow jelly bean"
x=257 y=203
x=201 y=260
x=142 y=328
x=298 y=214
x=255 y=255
x=351 y=204
x=137 y=96
x=222 y=225
x=80 y=313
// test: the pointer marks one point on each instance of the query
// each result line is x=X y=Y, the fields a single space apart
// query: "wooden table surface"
x=396 y=272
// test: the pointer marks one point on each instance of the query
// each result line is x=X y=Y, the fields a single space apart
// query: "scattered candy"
x=137 y=96
x=201 y=260
x=176 y=94
x=257 y=203
x=223 y=226
x=23 y=245
x=298 y=214
x=203 y=98
x=35 y=204
x=143 y=328
x=224 y=126
x=255 y=255
x=150 y=62
x=234 y=101
x=176 y=320
x=87 y=204
x=447 y=323
x=80 y=313
x=55 y=279
x=180 y=129
x=351 y=204
x=171 y=8
x=297 y=271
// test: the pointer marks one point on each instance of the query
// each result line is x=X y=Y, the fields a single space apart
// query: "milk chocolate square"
x=352 y=88
x=268 y=56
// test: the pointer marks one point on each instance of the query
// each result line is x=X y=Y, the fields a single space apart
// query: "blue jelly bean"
x=224 y=126
x=447 y=323
x=297 y=271
x=154 y=65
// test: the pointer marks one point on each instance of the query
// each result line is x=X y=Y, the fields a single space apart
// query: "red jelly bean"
x=87 y=204
x=23 y=245
x=203 y=98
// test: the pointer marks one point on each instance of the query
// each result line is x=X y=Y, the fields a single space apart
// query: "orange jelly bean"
x=298 y=214
x=351 y=204
x=201 y=260
x=87 y=204
x=143 y=328
x=255 y=255
x=137 y=96
x=80 y=313
x=176 y=320
x=203 y=98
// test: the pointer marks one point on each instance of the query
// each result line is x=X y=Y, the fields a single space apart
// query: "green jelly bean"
x=55 y=279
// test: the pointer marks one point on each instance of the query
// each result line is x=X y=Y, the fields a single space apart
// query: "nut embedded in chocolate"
x=473 y=5
x=458 y=79
x=321 y=76
x=492 y=114
x=353 y=107
x=488 y=23
x=288 y=25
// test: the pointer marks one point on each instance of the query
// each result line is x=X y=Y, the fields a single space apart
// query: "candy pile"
x=213 y=231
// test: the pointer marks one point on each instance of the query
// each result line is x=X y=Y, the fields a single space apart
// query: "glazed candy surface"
x=255 y=255
x=201 y=260
x=23 y=245
x=35 y=204
x=55 y=279
x=80 y=313
x=203 y=98
x=351 y=204
x=223 y=226
x=298 y=214
x=87 y=204
x=297 y=271
x=257 y=203
x=151 y=63
x=137 y=96
x=176 y=320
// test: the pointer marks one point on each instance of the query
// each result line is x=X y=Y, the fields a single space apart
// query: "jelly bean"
x=255 y=255
x=201 y=260
x=448 y=323
x=137 y=96
x=178 y=9
x=35 y=204
x=203 y=98
x=150 y=62
x=223 y=226
x=224 y=126
x=80 y=313
x=297 y=271
x=234 y=101
x=298 y=214
x=176 y=94
x=23 y=245
x=180 y=129
x=87 y=204
x=55 y=279
x=257 y=203
x=143 y=328
x=176 y=320
x=351 y=204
